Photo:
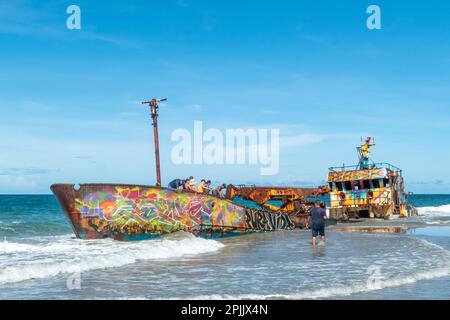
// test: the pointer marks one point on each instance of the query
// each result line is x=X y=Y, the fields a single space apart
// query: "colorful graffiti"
x=381 y=196
x=98 y=211
x=267 y=220
x=339 y=176
x=136 y=210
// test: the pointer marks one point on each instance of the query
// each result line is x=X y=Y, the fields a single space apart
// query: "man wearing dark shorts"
x=318 y=216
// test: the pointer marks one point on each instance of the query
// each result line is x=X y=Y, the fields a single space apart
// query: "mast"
x=154 y=113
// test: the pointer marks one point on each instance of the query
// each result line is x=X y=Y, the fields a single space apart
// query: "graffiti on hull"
x=137 y=210
x=118 y=211
x=267 y=220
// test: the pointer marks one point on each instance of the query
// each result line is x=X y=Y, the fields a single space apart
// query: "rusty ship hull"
x=137 y=212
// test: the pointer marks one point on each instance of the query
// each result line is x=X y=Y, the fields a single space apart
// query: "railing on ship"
x=378 y=165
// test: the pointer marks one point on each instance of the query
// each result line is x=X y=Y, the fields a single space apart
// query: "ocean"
x=41 y=259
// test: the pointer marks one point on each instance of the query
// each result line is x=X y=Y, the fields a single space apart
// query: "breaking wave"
x=51 y=256
x=435 y=211
x=438 y=215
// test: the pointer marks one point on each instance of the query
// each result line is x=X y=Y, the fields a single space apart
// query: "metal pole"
x=156 y=140
x=154 y=113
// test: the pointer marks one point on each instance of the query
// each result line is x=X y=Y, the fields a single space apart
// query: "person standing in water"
x=318 y=216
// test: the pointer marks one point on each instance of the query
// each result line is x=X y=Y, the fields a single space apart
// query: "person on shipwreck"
x=189 y=184
x=180 y=183
x=201 y=186
x=365 y=153
x=177 y=183
x=218 y=192
x=207 y=189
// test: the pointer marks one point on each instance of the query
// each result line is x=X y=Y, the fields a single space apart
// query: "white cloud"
x=301 y=139
x=15 y=184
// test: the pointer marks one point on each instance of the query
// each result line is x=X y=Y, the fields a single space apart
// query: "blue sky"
x=69 y=99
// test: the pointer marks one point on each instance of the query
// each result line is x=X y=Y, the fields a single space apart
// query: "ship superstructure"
x=368 y=189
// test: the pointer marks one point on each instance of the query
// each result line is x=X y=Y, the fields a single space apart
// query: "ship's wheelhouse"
x=359 y=187
x=368 y=188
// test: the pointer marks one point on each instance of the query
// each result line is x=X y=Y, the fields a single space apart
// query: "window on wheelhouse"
x=376 y=183
x=339 y=186
x=367 y=184
x=348 y=185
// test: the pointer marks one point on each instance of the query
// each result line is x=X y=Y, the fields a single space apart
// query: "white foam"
x=330 y=292
x=435 y=211
x=7 y=229
x=441 y=270
x=9 y=247
x=434 y=222
x=432 y=245
x=22 y=261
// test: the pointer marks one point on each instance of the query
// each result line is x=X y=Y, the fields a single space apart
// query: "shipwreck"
x=136 y=212
x=368 y=189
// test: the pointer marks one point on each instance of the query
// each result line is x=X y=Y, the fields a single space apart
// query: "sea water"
x=41 y=259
